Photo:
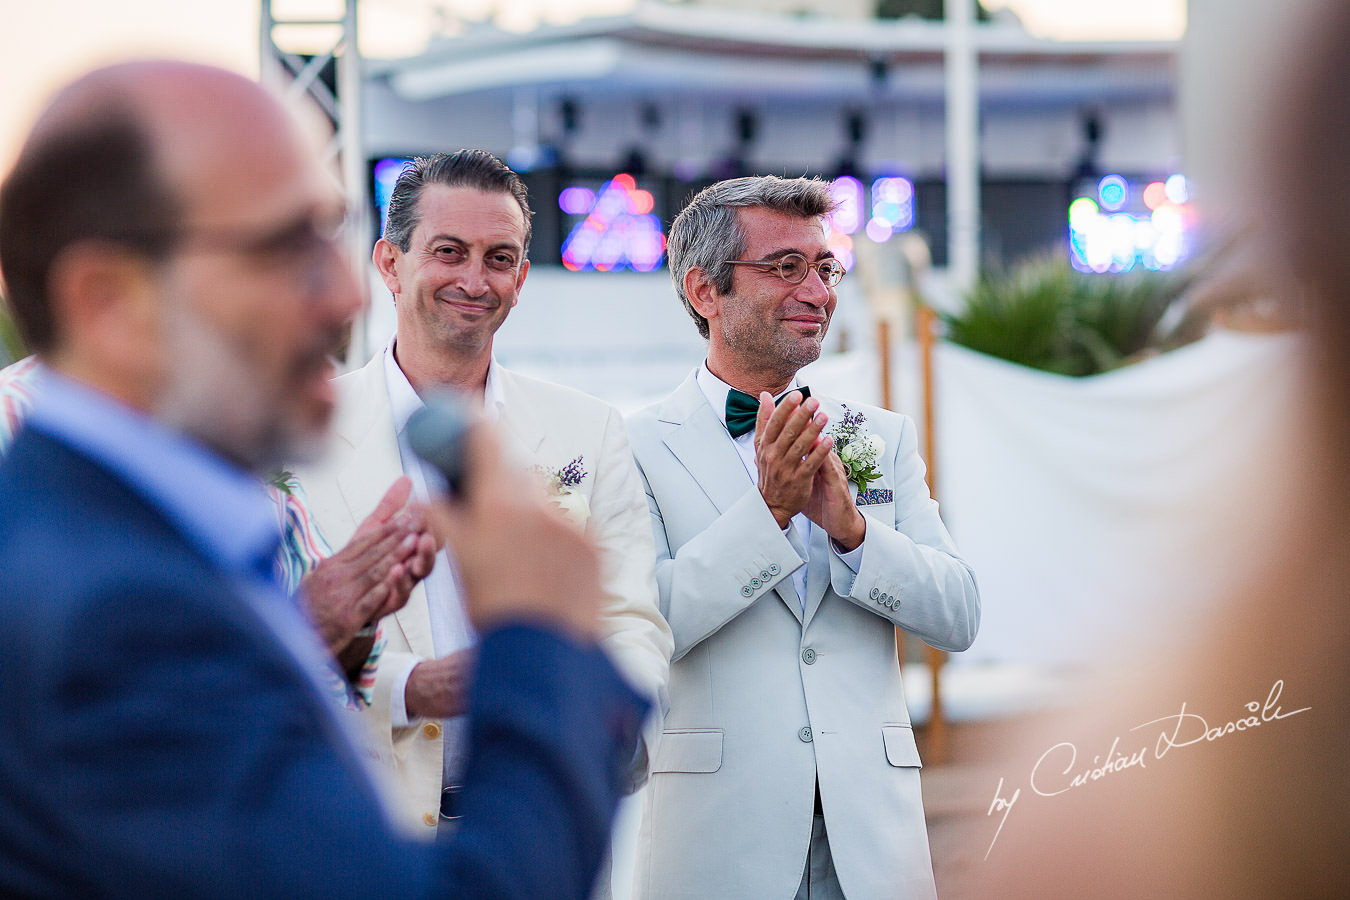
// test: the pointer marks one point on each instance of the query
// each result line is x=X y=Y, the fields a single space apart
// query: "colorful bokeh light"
x=386 y=174
x=1177 y=190
x=1116 y=236
x=848 y=192
x=1155 y=195
x=1113 y=191
x=892 y=208
x=619 y=231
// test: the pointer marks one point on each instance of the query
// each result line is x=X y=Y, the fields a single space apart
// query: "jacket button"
x=874 y=593
x=747 y=591
x=431 y=730
x=808 y=656
x=429 y=819
x=774 y=568
x=805 y=733
x=756 y=583
x=765 y=575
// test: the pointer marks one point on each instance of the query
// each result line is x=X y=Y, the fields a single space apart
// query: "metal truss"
x=331 y=81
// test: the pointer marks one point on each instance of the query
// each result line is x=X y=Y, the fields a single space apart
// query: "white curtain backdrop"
x=1094 y=508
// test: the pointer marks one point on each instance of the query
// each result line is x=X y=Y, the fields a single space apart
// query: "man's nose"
x=813 y=289
x=473 y=277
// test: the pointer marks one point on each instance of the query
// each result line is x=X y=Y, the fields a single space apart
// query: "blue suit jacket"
x=156 y=739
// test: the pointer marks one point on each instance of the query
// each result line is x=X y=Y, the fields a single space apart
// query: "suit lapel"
x=698 y=439
x=520 y=422
x=374 y=464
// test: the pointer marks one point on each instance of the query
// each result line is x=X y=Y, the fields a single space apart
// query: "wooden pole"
x=884 y=354
x=937 y=721
x=884 y=351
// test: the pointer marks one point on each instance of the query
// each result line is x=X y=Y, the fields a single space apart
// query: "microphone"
x=437 y=432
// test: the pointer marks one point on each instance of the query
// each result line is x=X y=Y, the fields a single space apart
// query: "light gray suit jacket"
x=765 y=697
x=541 y=423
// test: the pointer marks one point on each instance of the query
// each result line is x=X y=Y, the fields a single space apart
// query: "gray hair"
x=708 y=232
x=464 y=168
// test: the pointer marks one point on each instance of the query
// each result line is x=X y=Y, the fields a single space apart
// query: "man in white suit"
x=787 y=766
x=454 y=257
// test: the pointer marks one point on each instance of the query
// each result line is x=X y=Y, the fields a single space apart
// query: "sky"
x=44 y=43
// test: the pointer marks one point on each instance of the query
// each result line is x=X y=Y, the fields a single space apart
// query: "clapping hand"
x=392 y=550
x=789 y=448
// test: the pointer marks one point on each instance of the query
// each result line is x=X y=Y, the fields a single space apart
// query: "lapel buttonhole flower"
x=857 y=449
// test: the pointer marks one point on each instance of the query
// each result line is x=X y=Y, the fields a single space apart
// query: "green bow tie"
x=742 y=409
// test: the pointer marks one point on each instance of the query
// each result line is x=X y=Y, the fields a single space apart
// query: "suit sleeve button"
x=747 y=591
x=805 y=733
x=756 y=583
x=431 y=730
x=874 y=593
x=766 y=574
x=774 y=568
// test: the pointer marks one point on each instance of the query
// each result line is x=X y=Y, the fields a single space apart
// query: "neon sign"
x=619 y=231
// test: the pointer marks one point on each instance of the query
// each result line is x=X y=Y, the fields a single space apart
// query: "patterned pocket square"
x=874 y=496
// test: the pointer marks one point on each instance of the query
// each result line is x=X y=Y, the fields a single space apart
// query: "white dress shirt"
x=451 y=630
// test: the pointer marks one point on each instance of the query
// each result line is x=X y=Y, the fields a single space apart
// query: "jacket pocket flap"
x=689 y=751
x=900 y=747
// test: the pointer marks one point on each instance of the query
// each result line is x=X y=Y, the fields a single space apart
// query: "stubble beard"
x=776 y=352
x=214 y=395
x=463 y=340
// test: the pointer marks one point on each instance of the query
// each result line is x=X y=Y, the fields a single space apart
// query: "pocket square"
x=875 y=496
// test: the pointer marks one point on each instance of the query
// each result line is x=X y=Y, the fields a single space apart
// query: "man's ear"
x=702 y=295
x=386 y=256
x=109 y=314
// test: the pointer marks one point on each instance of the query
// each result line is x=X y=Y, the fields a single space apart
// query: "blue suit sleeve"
x=179 y=753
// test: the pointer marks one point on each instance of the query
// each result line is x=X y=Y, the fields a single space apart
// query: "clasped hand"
x=797 y=471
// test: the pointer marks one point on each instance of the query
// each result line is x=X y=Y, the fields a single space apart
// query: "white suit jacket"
x=547 y=424
x=766 y=698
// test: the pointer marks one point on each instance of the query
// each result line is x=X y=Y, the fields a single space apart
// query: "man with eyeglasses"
x=345 y=593
x=792 y=540
x=167 y=730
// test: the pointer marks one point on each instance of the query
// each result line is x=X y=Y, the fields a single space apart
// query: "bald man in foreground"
x=166 y=243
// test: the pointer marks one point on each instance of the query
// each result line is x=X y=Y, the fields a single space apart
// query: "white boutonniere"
x=857 y=449
x=564 y=486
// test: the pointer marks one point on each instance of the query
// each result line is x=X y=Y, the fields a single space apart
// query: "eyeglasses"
x=303 y=238
x=307 y=247
x=794 y=267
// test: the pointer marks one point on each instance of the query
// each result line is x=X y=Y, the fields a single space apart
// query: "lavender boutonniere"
x=857 y=449
x=564 y=488
x=566 y=479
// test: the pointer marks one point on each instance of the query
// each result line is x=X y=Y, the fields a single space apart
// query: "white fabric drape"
x=1094 y=509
